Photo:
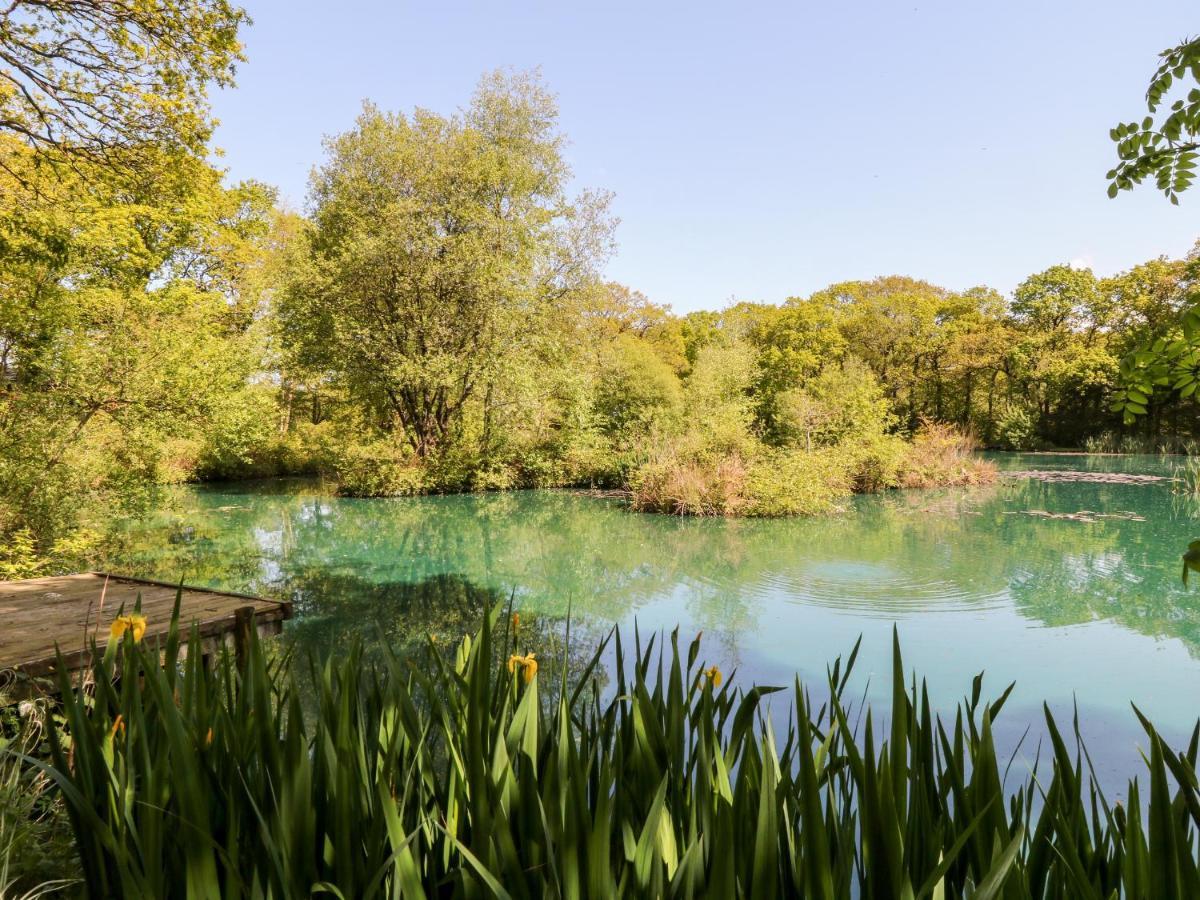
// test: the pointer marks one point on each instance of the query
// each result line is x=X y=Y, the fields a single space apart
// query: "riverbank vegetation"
x=437 y=320
x=163 y=326
x=463 y=775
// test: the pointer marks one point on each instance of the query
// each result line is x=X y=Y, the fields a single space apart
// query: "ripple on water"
x=879 y=590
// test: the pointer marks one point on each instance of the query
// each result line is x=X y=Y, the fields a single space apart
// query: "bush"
x=684 y=483
x=942 y=456
x=843 y=403
x=1015 y=428
x=875 y=461
x=458 y=777
x=796 y=483
x=19 y=557
x=379 y=470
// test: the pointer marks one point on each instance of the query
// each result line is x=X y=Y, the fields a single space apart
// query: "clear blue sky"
x=763 y=150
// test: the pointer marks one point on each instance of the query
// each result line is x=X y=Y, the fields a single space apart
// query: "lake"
x=1088 y=610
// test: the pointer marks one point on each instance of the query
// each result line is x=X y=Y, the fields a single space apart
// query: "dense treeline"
x=438 y=321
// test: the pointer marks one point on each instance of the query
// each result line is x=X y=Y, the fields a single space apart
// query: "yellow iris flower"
x=527 y=664
x=135 y=624
x=714 y=675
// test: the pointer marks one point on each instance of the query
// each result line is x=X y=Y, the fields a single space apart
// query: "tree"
x=99 y=79
x=119 y=331
x=441 y=248
x=1060 y=299
x=635 y=389
x=794 y=342
x=896 y=325
x=843 y=402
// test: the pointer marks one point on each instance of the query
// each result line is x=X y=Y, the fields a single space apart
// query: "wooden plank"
x=68 y=611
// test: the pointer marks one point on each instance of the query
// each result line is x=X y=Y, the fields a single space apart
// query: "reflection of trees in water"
x=895 y=554
x=335 y=609
x=1124 y=571
x=336 y=612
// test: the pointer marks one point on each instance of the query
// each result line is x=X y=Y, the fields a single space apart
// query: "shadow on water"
x=408 y=620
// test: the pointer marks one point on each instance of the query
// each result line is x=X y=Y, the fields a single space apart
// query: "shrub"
x=941 y=456
x=797 y=483
x=19 y=557
x=1015 y=428
x=875 y=461
x=843 y=403
x=684 y=483
x=379 y=470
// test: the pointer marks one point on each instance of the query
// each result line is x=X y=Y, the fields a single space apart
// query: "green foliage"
x=19 y=555
x=35 y=846
x=126 y=327
x=98 y=82
x=1164 y=145
x=841 y=403
x=438 y=324
x=468 y=776
x=1016 y=428
x=440 y=256
x=875 y=460
x=798 y=482
x=636 y=390
x=1062 y=297
x=379 y=470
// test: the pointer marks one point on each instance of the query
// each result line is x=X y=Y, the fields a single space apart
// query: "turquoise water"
x=1087 y=611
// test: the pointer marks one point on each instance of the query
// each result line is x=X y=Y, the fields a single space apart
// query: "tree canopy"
x=441 y=249
x=101 y=79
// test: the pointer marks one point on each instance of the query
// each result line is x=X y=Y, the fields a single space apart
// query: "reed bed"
x=462 y=776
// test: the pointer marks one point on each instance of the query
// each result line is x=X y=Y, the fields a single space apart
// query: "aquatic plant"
x=1162 y=444
x=1185 y=478
x=455 y=778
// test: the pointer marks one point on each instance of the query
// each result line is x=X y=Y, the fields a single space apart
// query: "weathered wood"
x=243 y=624
x=38 y=615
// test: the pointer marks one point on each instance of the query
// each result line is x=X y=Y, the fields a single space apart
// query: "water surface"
x=1088 y=610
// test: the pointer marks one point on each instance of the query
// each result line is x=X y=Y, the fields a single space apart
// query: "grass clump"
x=470 y=775
x=943 y=456
x=773 y=482
x=1185 y=479
x=35 y=845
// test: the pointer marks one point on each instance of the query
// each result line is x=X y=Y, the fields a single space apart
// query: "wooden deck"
x=67 y=611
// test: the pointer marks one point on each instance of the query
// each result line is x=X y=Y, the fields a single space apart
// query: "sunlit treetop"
x=1164 y=145
x=100 y=78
